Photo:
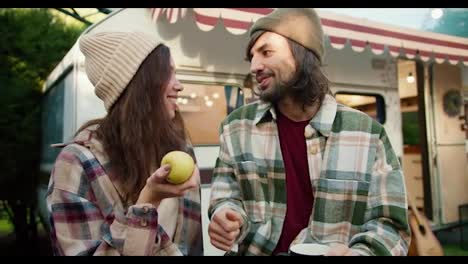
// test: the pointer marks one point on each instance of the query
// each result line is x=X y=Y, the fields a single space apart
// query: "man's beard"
x=273 y=94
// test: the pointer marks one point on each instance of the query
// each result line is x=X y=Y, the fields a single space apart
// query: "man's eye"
x=267 y=52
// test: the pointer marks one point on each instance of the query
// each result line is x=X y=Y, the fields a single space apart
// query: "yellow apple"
x=182 y=166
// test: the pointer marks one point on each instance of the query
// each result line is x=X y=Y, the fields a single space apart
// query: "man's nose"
x=256 y=65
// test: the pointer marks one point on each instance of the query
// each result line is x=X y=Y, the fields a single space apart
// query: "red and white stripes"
x=341 y=30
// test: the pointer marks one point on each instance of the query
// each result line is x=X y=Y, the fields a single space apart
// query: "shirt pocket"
x=340 y=201
x=253 y=183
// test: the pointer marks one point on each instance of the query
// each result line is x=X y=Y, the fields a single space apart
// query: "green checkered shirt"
x=358 y=185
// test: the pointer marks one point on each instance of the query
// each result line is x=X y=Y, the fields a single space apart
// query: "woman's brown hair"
x=138 y=131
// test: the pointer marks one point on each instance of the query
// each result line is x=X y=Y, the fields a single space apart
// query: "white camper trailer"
x=367 y=63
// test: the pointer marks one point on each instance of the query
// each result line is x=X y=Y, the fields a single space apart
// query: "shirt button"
x=145 y=209
x=313 y=150
x=144 y=222
x=309 y=131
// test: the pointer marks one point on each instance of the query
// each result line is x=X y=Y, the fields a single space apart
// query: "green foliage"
x=454 y=250
x=410 y=128
x=5 y=226
x=33 y=42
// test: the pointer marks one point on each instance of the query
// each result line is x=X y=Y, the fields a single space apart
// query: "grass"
x=454 y=250
x=6 y=226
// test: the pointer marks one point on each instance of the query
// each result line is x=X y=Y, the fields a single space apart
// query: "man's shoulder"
x=245 y=112
x=350 y=119
x=346 y=110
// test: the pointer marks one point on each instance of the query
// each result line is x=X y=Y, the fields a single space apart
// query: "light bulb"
x=410 y=78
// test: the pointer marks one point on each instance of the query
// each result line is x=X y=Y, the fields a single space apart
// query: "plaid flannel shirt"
x=88 y=215
x=357 y=181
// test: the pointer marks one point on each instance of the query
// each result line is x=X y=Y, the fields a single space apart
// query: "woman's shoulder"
x=76 y=160
x=74 y=154
x=82 y=150
x=70 y=169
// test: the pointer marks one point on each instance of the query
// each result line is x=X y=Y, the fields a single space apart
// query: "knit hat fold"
x=112 y=59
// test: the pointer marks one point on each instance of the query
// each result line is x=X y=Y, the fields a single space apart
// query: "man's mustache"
x=259 y=77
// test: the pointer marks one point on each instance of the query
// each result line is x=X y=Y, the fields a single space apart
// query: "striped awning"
x=340 y=30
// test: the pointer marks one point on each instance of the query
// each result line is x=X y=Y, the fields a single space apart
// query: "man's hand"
x=340 y=250
x=224 y=228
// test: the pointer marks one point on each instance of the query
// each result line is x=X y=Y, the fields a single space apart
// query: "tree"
x=33 y=42
x=453 y=22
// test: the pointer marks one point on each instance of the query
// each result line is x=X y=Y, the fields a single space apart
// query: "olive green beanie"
x=301 y=25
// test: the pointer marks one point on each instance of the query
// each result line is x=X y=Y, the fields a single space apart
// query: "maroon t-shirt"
x=298 y=186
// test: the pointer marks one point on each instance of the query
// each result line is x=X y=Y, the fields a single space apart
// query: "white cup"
x=308 y=250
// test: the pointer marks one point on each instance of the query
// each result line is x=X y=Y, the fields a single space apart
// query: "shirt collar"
x=322 y=121
x=87 y=137
x=324 y=118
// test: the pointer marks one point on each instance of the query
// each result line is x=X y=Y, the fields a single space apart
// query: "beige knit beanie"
x=112 y=59
x=299 y=24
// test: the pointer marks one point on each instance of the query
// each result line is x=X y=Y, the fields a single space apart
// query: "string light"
x=410 y=78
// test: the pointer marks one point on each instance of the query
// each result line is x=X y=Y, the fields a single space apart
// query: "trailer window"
x=204 y=107
x=371 y=104
x=52 y=128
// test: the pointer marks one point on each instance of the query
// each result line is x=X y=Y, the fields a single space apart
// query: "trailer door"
x=450 y=156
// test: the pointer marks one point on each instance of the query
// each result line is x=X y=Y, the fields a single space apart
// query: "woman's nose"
x=178 y=86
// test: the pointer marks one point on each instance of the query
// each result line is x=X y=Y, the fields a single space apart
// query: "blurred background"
x=33 y=42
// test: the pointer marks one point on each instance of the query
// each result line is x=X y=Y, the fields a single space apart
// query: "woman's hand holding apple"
x=158 y=188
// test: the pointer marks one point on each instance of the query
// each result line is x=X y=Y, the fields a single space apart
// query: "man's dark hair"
x=309 y=84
